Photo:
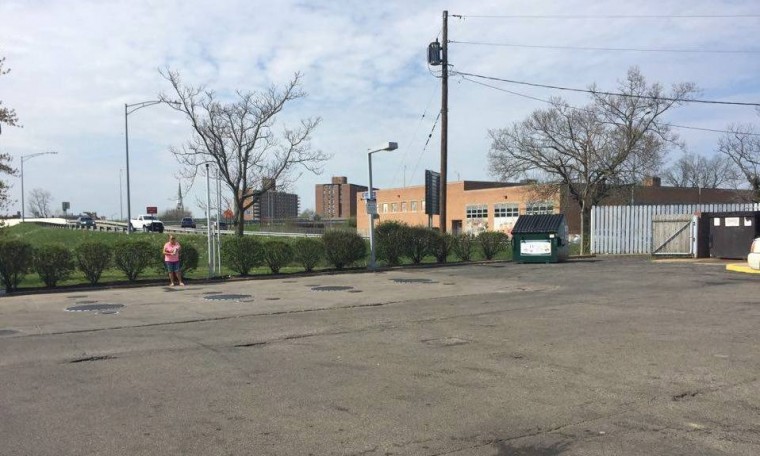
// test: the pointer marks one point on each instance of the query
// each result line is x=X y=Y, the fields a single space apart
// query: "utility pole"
x=444 y=118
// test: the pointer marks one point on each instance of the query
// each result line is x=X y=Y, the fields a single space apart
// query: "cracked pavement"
x=611 y=356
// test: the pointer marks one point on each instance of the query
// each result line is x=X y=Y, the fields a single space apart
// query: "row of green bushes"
x=55 y=262
x=395 y=242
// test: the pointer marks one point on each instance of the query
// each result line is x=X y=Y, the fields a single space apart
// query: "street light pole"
x=372 y=202
x=129 y=109
x=23 y=159
x=208 y=223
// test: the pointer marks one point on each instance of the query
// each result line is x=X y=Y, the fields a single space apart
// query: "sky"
x=75 y=63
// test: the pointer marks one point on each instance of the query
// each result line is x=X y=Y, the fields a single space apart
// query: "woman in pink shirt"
x=171 y=258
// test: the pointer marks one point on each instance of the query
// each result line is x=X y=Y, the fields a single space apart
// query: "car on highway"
x=187 y=222
x=85 y=221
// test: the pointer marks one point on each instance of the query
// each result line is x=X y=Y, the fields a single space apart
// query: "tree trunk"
x=585 y=228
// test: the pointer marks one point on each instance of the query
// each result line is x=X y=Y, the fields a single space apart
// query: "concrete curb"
x=741 y=267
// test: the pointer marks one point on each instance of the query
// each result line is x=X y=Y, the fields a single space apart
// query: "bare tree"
x=239 y=138
x=615 y=140
x=742 y=147
x=39 y=203
x=697 y=171
x=7 y=117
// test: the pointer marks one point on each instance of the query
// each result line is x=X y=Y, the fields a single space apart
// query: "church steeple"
x=180 y=205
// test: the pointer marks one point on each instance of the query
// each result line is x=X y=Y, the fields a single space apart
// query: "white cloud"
x=75 y=64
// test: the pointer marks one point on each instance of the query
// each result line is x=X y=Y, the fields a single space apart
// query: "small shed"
x=730 y=234
x=540 y=239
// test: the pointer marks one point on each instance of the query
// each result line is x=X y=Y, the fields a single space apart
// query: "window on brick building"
x=541 y=207
x=385 y=208
x=413 y=206
x=476 y=211
x=403 y=206
x=506 y=210
x=394 y=207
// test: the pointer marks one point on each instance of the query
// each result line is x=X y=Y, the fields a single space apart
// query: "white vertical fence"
x=627 y=230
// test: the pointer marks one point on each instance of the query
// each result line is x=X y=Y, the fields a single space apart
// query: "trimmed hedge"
x=463 y=246
x=309 y=252
x=53 y=263
x=391 y=241
x=442 y=245
x=277 y=254
x=92 y=258
x=343 y=248
x=15 y=261
x=492 y=242
x=242 y=253
x=419 y=243
x=133 y=257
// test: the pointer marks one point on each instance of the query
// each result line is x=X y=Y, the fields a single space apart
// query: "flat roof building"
x=338 y=199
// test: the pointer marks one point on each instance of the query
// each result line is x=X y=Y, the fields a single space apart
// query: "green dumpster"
x=540 y=239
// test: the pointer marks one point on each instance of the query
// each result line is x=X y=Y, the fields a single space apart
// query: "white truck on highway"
x=147 y=223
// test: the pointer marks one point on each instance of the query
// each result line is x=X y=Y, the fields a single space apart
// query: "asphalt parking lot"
x=596 y=357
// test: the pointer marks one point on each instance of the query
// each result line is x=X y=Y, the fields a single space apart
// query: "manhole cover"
x=272 y=299
x=7 y=332
x=413 y=280
x=228 y=297
x=212 y=292
x=289 y=281
x=332 y=288
x=86 y=302
x=355 y=291
x=77 y=296
x=94 y=307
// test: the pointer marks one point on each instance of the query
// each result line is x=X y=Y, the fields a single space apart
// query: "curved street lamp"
x=372 y=202
x=129 y=109
x=23 y=159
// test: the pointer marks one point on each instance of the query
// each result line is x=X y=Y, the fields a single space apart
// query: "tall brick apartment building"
x=338 y=199
x=474 y=206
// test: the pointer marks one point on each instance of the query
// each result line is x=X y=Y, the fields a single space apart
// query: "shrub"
x=492 y=242
x=419 y=243
x=391 y=241
x=15 y=261
x=53 y=263
x=188 y=258
x=463 y=246
x=132 y=257
x=309 y=252
x=441 y=245
x=93 y=258
x=242 y=253
x=277 y=254
x=343 y=248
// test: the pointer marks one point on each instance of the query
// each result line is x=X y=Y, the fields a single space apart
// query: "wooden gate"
x=674 y=235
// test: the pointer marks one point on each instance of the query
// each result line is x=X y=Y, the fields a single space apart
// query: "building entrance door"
x=456 y=227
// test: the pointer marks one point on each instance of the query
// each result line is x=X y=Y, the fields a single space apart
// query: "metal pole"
x=371 y=217
x=126 y=147
x=444 y=119
x=22 y=189
x=121 y=205
x=208 y=223
x=218 y=218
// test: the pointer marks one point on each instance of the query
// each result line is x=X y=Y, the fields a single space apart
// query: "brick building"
x=474 y=206
x=273 y=205
x=338 y=199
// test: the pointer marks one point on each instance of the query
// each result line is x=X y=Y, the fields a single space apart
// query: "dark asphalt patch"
x=94 y=307
x=91 y=358
x=332 y=288
x=7 y=332
x=414 y=280
x=229 y=297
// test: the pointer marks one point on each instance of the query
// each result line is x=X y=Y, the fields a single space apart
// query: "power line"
x=617 y=94
x=424 y=148
x=713 y=130
x=410 y=142
x=609 y=16
x=584 y=48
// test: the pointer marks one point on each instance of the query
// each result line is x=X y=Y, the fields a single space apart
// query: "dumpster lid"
x=543 y=223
